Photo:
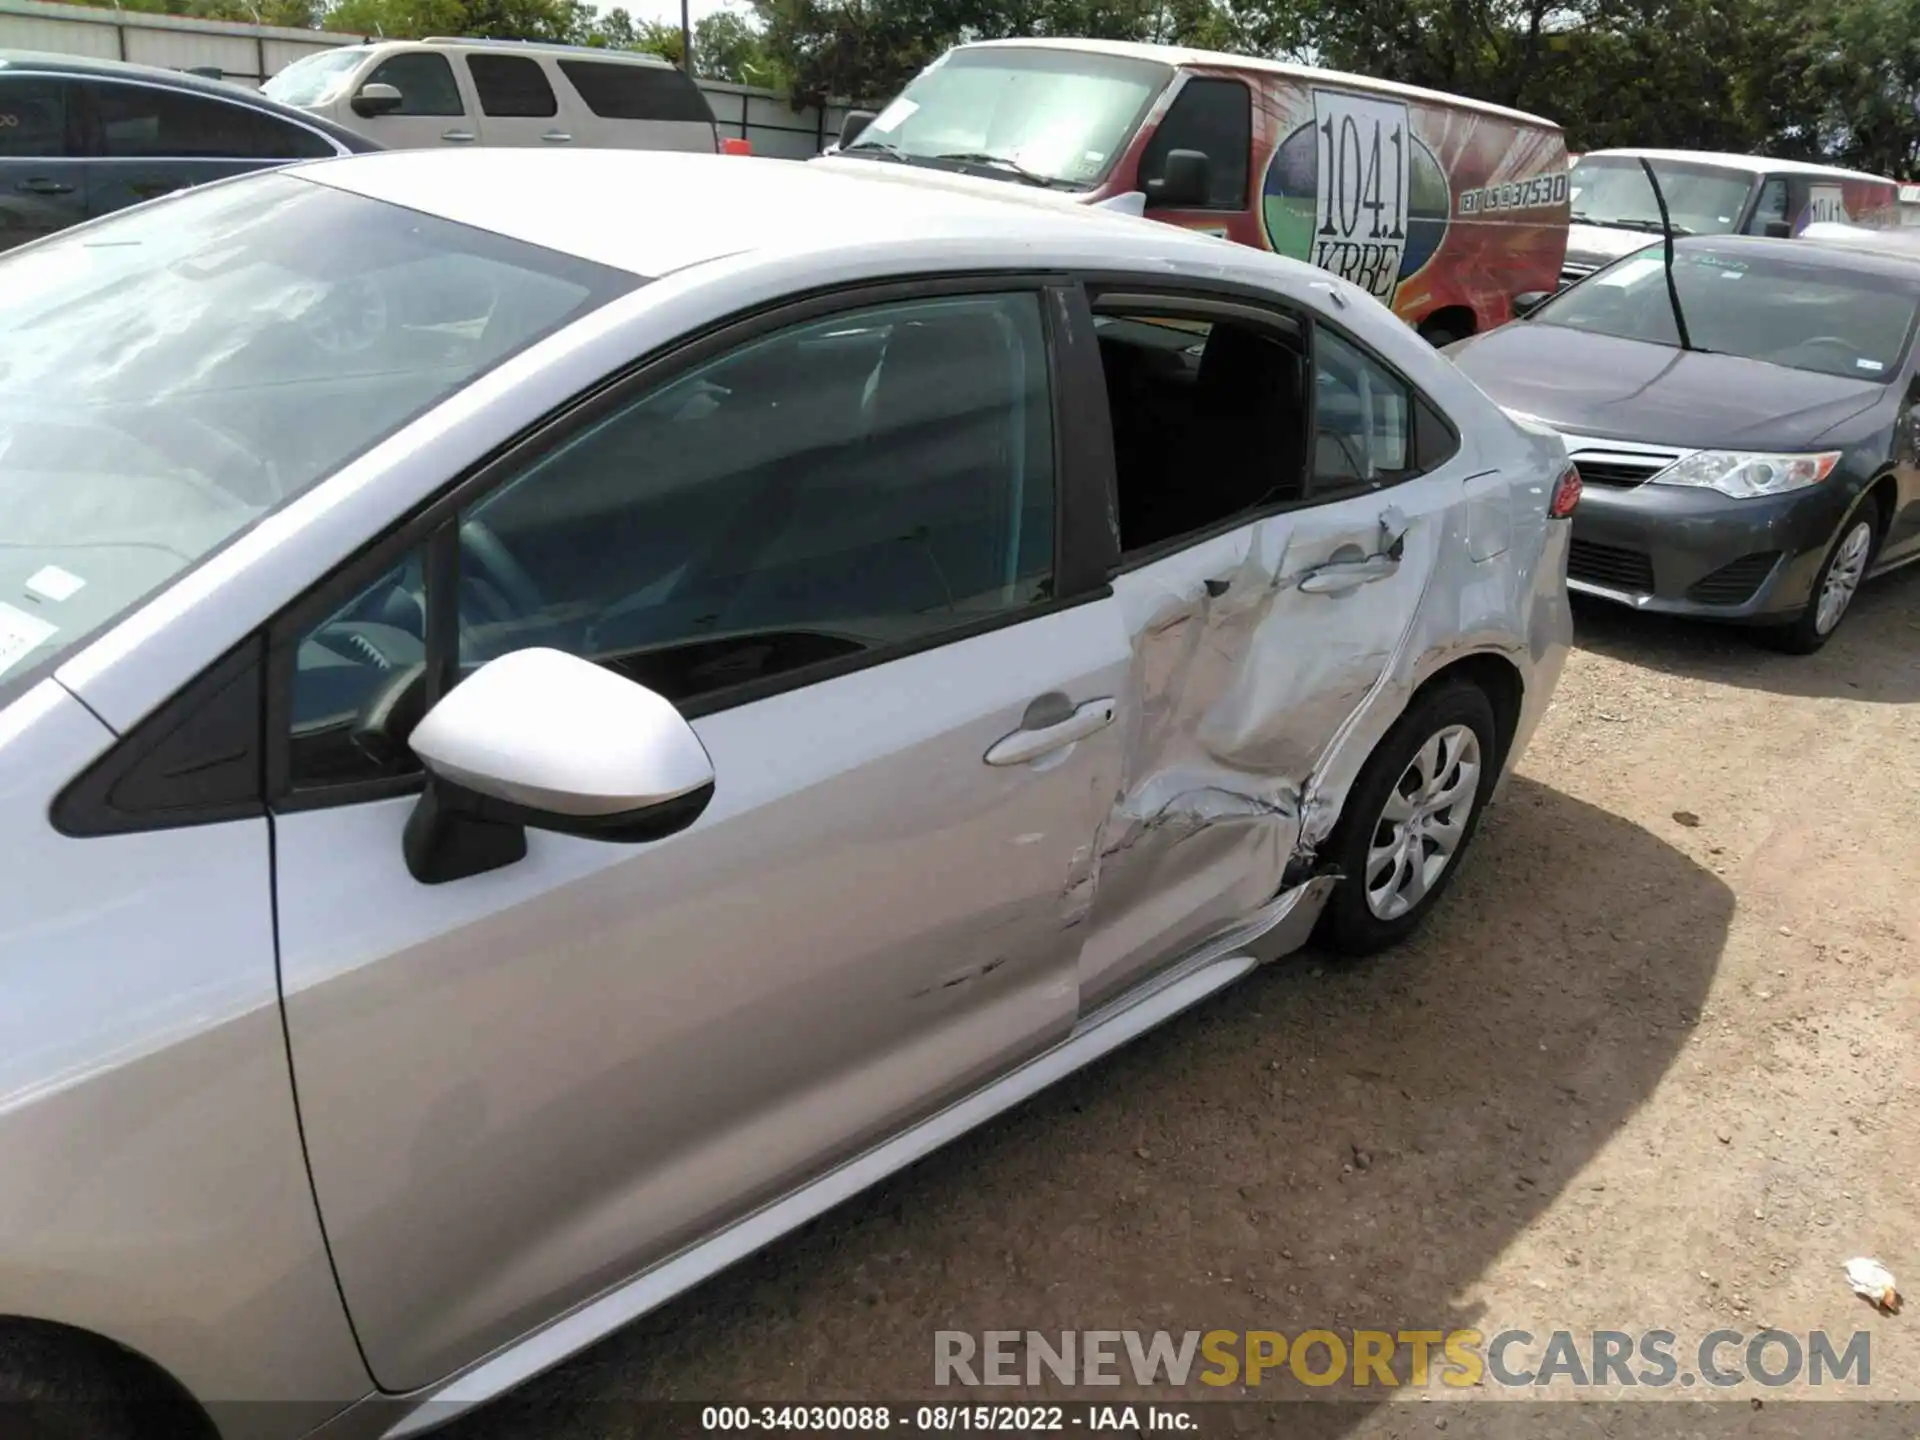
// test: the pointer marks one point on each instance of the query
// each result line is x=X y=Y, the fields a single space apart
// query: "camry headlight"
x=1744 y=474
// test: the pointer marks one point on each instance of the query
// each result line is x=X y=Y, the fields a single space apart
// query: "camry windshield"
x=1055 y=117
x=1701 y=199
x=1802 y=314
x=313 y=80
x=169 y=376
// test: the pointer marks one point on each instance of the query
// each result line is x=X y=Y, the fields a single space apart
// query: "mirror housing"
x=1779 y=230
x=854 y=124
x=1528 y=301
x=540 y=739
x=1184 y=183
x=376 y=98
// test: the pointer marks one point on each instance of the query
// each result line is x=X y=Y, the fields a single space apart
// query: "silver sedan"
x=562 y=713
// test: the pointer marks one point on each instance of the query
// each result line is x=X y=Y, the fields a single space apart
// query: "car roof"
x=1183 y=55
x=1752 y=164
x=652 y=212
x=642 y=58
x=1841 y=254
x=45 y=63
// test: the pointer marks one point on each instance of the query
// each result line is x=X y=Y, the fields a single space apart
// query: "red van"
x=1446 y=209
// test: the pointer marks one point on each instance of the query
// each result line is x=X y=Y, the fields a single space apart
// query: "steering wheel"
x=1830 y=342
x=350 y=318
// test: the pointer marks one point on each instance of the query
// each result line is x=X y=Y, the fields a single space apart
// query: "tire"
x=65 y=1385
x=1450 y=727
x=1849 y=560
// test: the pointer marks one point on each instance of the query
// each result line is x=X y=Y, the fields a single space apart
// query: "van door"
x=1773 y=207
x=518 y=106
x=1212 y=114
x=43 y=187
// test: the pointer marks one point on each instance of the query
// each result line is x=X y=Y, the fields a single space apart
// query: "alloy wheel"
x=1420 y=828
x=1844 y=575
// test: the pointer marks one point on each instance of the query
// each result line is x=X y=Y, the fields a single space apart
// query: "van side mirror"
x=854 y=124
x=543 y=740
x=1779 y=230
x=1185 y=181
x=377 y=98
x=1528 y=301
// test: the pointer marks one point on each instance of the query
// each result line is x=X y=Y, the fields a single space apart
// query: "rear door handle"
x=45 y=187
x=1024 y=745
x=1341 y=576
x=457 y=137
x=556 y=137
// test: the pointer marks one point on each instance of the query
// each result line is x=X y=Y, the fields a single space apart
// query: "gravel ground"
x=1648 y=1066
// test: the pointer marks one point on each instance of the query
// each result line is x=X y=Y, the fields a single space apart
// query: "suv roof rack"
x=603 y=52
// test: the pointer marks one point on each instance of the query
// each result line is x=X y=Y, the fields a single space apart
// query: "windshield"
x=1062 y=116
x=1805 y=316
x=1702 y=199
x=170 y=375
x=314 y=80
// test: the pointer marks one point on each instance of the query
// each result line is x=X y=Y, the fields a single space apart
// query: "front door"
x=834 y=547
x=43 y=185
x=436 y=110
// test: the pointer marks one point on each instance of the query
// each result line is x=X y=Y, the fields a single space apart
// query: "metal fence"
x=253 y=54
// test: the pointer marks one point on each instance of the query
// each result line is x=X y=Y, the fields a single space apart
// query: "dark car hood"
x=1631 y=390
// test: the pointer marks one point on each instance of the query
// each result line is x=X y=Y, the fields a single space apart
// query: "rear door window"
x=425 y=82
x=636 y=92
x=512 y=86
x=36 y=116
x=148 y=122
x=1214 y=117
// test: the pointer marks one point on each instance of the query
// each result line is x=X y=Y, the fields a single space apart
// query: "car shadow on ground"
x=1874 y=656
x=1320 y=1146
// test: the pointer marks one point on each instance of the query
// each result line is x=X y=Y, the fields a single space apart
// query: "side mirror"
x=1525 y=303
x=376 y=98
x=1779 y=230
x=1185 y=182
x=543 y=740
x=856 y=121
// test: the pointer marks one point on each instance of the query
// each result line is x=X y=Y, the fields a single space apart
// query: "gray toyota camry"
x=1743 y=425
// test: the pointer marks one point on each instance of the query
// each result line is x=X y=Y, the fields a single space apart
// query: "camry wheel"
x=1410 y=818
x=1839 y=581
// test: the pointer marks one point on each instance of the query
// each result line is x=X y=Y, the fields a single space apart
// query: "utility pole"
x=686 y=38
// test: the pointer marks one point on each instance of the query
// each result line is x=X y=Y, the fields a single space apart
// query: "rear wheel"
x=65 y=1385
x=1846 y=565
x=1409 y=819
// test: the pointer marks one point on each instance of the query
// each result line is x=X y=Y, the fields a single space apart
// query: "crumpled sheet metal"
x=1229 y=715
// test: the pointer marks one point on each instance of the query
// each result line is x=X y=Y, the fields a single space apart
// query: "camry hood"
x=1597 y=245
x=1631 y=390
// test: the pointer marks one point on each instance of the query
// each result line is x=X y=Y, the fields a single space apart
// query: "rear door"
x=635 y=106
x=153 y=140
x=43 y=182
x=1260 y=625
x=518 y=102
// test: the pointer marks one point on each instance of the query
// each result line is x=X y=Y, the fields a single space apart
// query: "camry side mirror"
x=543 y=740
x=856 y=121
x=1184 y=182
x=376 y=98
x=1528 y=301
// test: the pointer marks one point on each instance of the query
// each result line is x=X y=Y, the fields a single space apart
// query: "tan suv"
x=417 y=94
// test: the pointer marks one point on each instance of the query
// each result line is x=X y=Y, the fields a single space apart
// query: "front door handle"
x=556 y=137
x=40 y=186
x=457 y=137
x=1024 y=744
x=1340 y=576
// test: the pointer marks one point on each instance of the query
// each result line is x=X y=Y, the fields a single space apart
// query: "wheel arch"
x=29 y=1344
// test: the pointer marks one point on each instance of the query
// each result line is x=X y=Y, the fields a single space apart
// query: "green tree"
x=727 y=47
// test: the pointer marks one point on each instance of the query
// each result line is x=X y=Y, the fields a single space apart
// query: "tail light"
x=734 y=145
x=1566 y=493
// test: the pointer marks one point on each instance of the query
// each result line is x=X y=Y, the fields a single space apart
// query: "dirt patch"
x=1638 y=1072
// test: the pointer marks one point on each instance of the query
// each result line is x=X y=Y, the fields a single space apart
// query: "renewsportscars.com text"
x=1390 y=1359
